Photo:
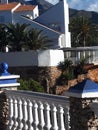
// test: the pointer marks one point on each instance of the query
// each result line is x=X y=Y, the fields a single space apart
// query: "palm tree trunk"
x=84 y=42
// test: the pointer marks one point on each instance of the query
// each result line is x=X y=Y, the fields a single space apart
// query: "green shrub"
x=63 y=79
x=35 y=86
x=67 y=70
x=24 y=85
x=30 y=85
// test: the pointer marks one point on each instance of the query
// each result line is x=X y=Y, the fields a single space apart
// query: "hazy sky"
x=91 y=5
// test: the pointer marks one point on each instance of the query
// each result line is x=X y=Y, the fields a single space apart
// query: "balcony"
x=77 y=53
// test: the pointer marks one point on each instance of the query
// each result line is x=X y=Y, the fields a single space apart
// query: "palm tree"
x=17 y=36
x=3 y=37
x=67 y=70
x=83 y=31
x=80 y=68
x=37 y=40
x=66 y=65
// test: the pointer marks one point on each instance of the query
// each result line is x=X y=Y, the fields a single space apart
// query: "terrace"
x=26 y=110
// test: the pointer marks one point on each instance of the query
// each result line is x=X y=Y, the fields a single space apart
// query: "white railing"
x=78 y=53
x=37 y=111
x=95 y=60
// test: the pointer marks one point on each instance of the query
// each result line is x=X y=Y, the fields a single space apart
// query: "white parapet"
x=50 y=57
x=33 y=58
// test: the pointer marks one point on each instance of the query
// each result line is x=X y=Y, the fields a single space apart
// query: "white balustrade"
x=78 y=53
x=37 y=111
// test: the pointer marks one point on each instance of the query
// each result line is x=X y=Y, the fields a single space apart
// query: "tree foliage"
x=30 y=85
x=19 y=37
x=37 y=40
x=67 y=71
x=83 y=32
x=3 y=37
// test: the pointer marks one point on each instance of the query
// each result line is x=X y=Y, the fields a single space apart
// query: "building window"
x=29 y=16
x=35 y=16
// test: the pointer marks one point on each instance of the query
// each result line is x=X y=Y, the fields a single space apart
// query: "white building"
x=53 y=22
x=11 y=12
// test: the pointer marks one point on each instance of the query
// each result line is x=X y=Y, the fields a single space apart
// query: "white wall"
x=20 y=58
x=53 y=35
x=54 y=15
x=50 y=57
x=7 y=17
x=32 y=58
x=17 y=15
x=58 y=14
x=35 y=12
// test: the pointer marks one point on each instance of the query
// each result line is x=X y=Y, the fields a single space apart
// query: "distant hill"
x=90 y=14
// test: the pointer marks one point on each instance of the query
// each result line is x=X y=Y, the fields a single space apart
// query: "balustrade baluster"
x=47 y=117
x=10 y=125
x=25 y=115
x=30 y=115
x=67 y=118
x=54 y=118
x=15 y=114
x=61 y=118
x=35 y=114
x=20 y=115
x=41 y=116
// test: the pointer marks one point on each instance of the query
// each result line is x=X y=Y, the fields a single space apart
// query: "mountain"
x=89 y=14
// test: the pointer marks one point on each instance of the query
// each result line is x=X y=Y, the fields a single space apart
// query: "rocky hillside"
x=90 y=14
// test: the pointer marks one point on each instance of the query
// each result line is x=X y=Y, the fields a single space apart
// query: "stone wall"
x=3 y=111
x=47 y=76
x=81 y=115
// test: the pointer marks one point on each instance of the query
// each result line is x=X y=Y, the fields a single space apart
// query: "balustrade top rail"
x=91 y=48
x=39 y=96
